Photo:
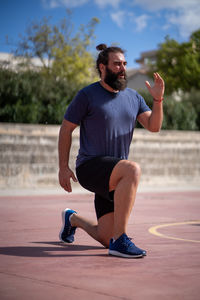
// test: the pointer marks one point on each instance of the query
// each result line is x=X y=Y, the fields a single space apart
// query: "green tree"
x=72 y=63
x=179 y=115
x=45 y=41
x=19 y=94
x=179 y=64
x=193 y=99
x=65 y=56
x=40 y=95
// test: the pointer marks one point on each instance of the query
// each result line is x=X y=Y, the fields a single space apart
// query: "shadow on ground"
x=60 y=250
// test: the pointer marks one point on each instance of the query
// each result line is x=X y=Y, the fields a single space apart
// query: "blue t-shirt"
x=106 y=120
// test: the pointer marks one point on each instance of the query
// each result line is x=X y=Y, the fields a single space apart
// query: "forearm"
x=64 y=146
x=156 y=117
x=157 y=92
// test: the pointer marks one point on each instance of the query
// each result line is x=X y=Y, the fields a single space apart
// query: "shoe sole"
x=63 y=226
x=119 y=254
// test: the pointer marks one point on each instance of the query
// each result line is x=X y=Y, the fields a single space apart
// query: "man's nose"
x=123 y=67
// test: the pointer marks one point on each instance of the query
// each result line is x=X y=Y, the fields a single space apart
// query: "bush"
x=193 y=98
x=179 y=115
x=31 y=97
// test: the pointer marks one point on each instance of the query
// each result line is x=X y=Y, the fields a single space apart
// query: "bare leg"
x=124 y=180
x=101 y=232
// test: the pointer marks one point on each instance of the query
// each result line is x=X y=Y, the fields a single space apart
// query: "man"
x=106 y=112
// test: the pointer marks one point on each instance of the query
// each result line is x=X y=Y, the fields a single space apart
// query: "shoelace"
x=128 y=241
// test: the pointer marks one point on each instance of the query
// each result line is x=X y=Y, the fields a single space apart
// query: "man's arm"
x=152 y=120
x=64 y=146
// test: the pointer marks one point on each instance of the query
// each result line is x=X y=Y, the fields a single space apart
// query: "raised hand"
x=157 y=91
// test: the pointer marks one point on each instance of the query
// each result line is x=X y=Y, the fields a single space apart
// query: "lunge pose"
x=106 y=112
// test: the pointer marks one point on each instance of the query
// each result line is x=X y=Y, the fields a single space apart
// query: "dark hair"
x=104 y=53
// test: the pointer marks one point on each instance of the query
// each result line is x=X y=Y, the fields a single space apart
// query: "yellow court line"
x=153 y=230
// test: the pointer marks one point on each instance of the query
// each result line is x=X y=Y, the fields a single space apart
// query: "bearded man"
x=106 y=112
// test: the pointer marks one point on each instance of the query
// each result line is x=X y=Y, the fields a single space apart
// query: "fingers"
x=147 y=84
x=158 y=79
x=157 y=90
x=66 y=185
x=65 y=180
x=74 y=178
x=158 y=75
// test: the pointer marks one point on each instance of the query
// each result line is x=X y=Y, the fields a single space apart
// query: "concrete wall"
x=28 y=156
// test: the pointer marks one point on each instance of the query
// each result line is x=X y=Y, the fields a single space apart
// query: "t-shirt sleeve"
x=142 y=105
x=77 y=109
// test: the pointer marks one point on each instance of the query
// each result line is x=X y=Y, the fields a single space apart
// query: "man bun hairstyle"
x=101 y=47
x=104 y=54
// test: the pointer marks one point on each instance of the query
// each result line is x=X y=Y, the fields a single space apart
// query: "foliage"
x=180 y=114
x=194 y=99
x=40 y=95
x=41 y=39
x=179 y=64
x=27 y=97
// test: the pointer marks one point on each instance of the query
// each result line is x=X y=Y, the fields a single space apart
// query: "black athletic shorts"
x=94 y=175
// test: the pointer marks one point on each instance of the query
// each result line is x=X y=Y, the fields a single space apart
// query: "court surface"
x=35 y=265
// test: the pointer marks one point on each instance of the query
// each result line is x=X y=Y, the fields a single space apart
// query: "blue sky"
x=135 y=25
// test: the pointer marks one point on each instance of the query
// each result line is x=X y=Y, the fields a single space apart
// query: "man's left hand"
x=157 y=91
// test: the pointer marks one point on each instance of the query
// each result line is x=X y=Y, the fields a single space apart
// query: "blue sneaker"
x=143 y=251
x=67 y=232
x=123 y=247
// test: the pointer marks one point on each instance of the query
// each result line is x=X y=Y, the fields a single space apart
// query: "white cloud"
x=182 y=13
x=104 y=3
x=66 y=3
x=118 y=17
x=141 y=22
x=76 y=3
x=156 y=5
x=186 y=21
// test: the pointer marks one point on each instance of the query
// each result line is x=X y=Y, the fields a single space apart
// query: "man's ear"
x=102 y=68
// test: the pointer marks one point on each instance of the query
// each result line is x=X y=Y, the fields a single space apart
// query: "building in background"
x=137 y=77
x=9 y=61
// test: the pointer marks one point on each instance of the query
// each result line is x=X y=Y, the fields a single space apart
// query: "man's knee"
x=133 y=169
x=124 y=169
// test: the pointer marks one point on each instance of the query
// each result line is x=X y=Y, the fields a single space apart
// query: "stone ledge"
x=28 y=156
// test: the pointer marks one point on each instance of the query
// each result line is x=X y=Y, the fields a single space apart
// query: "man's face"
x=115 y=71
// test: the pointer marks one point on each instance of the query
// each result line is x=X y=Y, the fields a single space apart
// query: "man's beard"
x=117 y=84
